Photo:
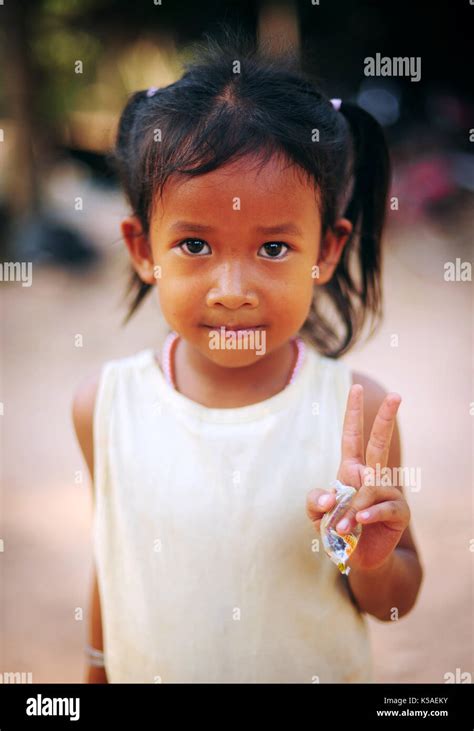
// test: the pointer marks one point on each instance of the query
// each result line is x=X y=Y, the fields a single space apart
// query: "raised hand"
x=382 y=510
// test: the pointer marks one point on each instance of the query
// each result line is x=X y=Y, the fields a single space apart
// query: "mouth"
x=236 y=328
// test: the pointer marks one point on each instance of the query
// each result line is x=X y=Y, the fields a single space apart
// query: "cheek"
x=292 y=296
x=179 y=284
x=177 y=298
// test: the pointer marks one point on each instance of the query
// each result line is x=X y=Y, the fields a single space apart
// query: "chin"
x=236 y=348
x=234 y=358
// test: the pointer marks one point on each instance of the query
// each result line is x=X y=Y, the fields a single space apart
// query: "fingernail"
x=343 y=524
x=324 y=500
x=365 y=515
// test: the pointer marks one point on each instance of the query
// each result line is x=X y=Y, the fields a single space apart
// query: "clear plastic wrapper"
x=339 y=548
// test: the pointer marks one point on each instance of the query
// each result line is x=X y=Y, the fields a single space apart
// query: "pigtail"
x=367 y=207
x=125 y=161
x=125 y=141
x=355 y=288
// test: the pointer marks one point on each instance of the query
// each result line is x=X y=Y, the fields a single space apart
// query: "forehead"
x=276 y=188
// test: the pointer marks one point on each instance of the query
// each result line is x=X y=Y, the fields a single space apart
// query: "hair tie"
x=336 y=104
x=152 y=90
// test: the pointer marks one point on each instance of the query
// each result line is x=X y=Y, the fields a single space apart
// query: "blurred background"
x=67 y=69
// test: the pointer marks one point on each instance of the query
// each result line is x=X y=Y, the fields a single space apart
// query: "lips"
x=235 y=328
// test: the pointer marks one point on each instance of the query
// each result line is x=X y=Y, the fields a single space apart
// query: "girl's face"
x=236 y=247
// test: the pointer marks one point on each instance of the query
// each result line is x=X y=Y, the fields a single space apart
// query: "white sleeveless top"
x=209 y=569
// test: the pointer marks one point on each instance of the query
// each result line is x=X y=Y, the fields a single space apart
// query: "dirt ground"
x=46 y=514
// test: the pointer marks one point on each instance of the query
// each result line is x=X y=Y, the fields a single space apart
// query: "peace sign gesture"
x=382 y=510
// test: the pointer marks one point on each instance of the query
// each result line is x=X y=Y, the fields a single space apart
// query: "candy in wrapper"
x=338 y=547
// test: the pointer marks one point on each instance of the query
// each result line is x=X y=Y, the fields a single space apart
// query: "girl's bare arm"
x=93 y=674
x=83 y=414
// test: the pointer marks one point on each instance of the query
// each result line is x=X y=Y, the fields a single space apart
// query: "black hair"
x=213 y=115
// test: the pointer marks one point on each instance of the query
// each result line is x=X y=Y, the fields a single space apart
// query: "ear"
x=332 y=245
x=139 y=249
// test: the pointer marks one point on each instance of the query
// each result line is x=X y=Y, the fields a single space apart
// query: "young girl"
x=257 y=213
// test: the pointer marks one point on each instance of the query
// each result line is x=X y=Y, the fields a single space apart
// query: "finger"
x=352 y=473
x=319 y=502
x=395 y=512
x=378 y=445
x=367 y=496
x=317 y=525
x=352 y=447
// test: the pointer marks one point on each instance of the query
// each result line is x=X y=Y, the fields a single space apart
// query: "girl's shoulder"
x=370 y=384
x=93 y=387
x=83 y=405
x=85 y=395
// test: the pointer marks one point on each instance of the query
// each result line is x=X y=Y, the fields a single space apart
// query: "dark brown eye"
x=273 y=249
x=194 y=246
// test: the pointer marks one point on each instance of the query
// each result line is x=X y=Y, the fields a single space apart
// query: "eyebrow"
x=281 y=228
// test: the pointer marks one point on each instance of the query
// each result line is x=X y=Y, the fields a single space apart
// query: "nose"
x=230 y=289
